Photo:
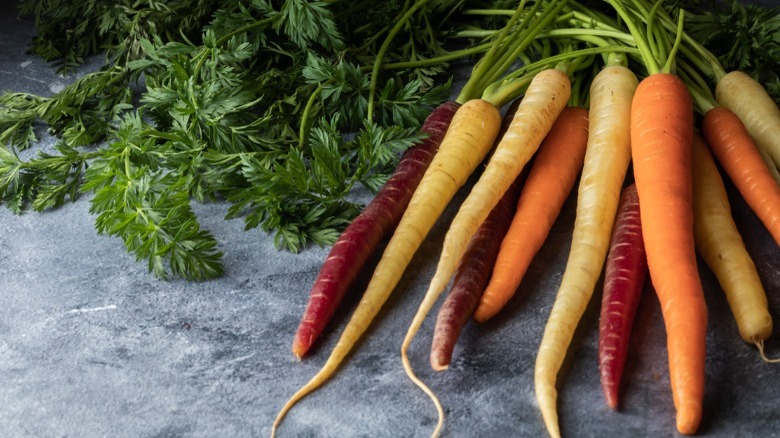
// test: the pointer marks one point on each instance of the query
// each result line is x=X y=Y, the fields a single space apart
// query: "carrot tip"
x=439 y=366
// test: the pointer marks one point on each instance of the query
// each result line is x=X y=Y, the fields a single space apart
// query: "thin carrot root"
x=760 y=345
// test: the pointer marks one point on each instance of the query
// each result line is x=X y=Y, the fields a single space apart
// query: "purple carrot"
x=626 y=269
x=475 y=267
x=360 y=239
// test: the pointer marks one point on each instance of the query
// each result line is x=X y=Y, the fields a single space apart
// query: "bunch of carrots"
x=609 y=102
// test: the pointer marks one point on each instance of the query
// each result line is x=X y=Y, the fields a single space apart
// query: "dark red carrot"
x=624 y=277
x=472 y=276
x=361 y=238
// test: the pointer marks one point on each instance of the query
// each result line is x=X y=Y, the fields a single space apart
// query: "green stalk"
x=676 y=46
x=383 y=49
x=642 y=45
x=304 y=128
x=543 y=20
x=510 y=86
x=483 y=66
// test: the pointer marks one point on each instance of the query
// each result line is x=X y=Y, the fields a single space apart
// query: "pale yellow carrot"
x=606 y=163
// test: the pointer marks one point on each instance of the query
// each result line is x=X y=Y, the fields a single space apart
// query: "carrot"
x=605 y=165
x=661 y=136
x=552 y=177
x=735 y=151
x=624 y=278
x=544 y=99
x=757 y=110
x=472 y=276
x=472 y=131
x=722 y=248
x=474 y=269
x=361 y=238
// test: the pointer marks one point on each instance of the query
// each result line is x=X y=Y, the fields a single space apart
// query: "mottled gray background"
x=92 y=345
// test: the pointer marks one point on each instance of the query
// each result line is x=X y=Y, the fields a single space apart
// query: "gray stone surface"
x=92 y=345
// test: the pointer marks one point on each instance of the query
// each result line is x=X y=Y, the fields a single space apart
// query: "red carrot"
x=472 y=276
x=361 y=238
x=624 y=278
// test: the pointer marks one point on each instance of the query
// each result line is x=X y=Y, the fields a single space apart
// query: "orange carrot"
x=661 y=138
x=735 y=151
x=552 y=177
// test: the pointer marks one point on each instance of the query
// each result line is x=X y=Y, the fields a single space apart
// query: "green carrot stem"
x=641 y=42
x=383 y=49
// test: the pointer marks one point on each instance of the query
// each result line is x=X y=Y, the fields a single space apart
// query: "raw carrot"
x=544 y=99
x=661 y=136
x=472 y=131
x=550 y=180
x=474 y=269
x=735 y=151
x=472 y=276
x=606 y=162
x=361 y=238
x=757 y=110
x=722 y=248
x=624 y=278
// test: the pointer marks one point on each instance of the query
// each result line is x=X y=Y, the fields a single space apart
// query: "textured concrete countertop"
x=92 y=345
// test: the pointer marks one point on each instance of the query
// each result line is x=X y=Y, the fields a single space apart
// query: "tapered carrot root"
x=722 y=248
x=472 y=131
x=606 y=163
x=550 y=180
x=735 y=151
x=544 y=100
x=624 y=278
x=661 y=136
x=362 y=237
x=757 y=110
x=471 y=277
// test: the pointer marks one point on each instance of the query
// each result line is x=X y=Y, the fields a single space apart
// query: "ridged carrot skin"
x=661 y=137
x=362 y=237
x=472 y=276
x=757 y=110
x=473 y=130
x=721 y=246
x=552 y=176
x=624 y=279
x=734 y=149
x=604 y=170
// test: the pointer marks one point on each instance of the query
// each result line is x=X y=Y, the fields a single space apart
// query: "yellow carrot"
x=544 y=99
x=606 y=163
x=722 y=248
x=469 y=138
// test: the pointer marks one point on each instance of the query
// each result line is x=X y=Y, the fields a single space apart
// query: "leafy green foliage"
x=246 y=102
x=743 y=37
